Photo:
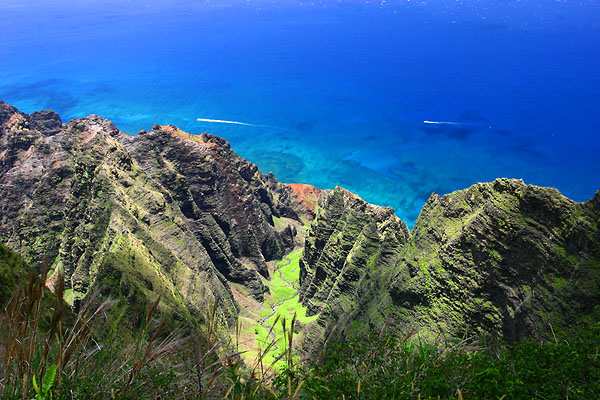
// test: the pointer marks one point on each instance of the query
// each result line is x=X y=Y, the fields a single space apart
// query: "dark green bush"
x=403 y=368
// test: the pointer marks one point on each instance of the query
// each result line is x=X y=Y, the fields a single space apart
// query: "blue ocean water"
x=391 y=99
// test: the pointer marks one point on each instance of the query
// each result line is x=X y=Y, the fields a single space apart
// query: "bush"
x=386 y=367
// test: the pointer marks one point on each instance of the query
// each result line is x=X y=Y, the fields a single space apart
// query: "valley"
x=262 y=324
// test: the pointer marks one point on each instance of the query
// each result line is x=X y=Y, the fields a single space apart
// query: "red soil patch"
x=51 y=280
x=307 y=194
x=87 y=136
x=13 y=119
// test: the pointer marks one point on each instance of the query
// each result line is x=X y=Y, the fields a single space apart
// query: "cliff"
x=163 y=213
x=348 y=245
x=181 y=216
x=501 y=258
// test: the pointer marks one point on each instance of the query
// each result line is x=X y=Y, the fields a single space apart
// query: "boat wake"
x=443 y=123
x=221 y=121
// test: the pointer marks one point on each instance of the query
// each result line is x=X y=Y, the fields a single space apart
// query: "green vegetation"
x=281 y=304
x=46 y=352
x=290 y=266
x=42 y=392
x=13 y=270
x=280 y=223
x=392 y=367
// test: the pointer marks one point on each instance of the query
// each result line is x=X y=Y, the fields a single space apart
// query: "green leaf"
x=35 y=385
x=48 y=380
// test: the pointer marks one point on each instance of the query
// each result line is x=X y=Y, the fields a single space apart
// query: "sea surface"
x=392 y=100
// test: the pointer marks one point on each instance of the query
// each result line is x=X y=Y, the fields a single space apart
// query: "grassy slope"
x=281 y=302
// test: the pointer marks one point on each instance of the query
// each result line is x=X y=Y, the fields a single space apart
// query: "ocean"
x=392 y=100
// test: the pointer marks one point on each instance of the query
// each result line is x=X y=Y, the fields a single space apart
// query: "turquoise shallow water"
x=332 y=92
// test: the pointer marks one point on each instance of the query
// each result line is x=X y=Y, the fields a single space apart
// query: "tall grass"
x=392 y=367
x=45 y=346
x=39 y=333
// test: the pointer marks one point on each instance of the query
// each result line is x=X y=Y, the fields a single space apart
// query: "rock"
x=46 y=122
x=348 y=245
x=6 y=112
x=226 y=201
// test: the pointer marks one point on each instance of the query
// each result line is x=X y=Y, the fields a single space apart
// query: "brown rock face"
x=164 y=213
x=46 y=122
x=226 y=201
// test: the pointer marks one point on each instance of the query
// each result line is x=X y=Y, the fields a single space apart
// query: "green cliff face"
x=164 y=213
x=183 y=217
x=500 y=258
x=350 y=244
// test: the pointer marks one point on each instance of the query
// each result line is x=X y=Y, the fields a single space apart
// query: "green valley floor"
x=261 y=326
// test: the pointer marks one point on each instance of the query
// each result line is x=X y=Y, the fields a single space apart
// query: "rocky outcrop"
x=226 y=201
x=500 y=258
x=164 y=213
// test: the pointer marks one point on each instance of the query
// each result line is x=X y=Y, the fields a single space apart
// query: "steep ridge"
x=348 y=246
x=164 y=213
x=501 y=258
x=181 y=216
x=226 y=201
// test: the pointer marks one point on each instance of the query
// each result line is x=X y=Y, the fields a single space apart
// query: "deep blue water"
x=337 y=92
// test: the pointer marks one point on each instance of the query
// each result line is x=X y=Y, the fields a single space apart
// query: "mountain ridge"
x=88 y=199
x=181 y=216
x=500 y=259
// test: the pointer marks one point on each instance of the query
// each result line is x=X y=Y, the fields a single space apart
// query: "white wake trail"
x=221 y=121
x=442 y=122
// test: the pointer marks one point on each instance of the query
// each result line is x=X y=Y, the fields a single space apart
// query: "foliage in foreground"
x=48 y=353
x=389 y=368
